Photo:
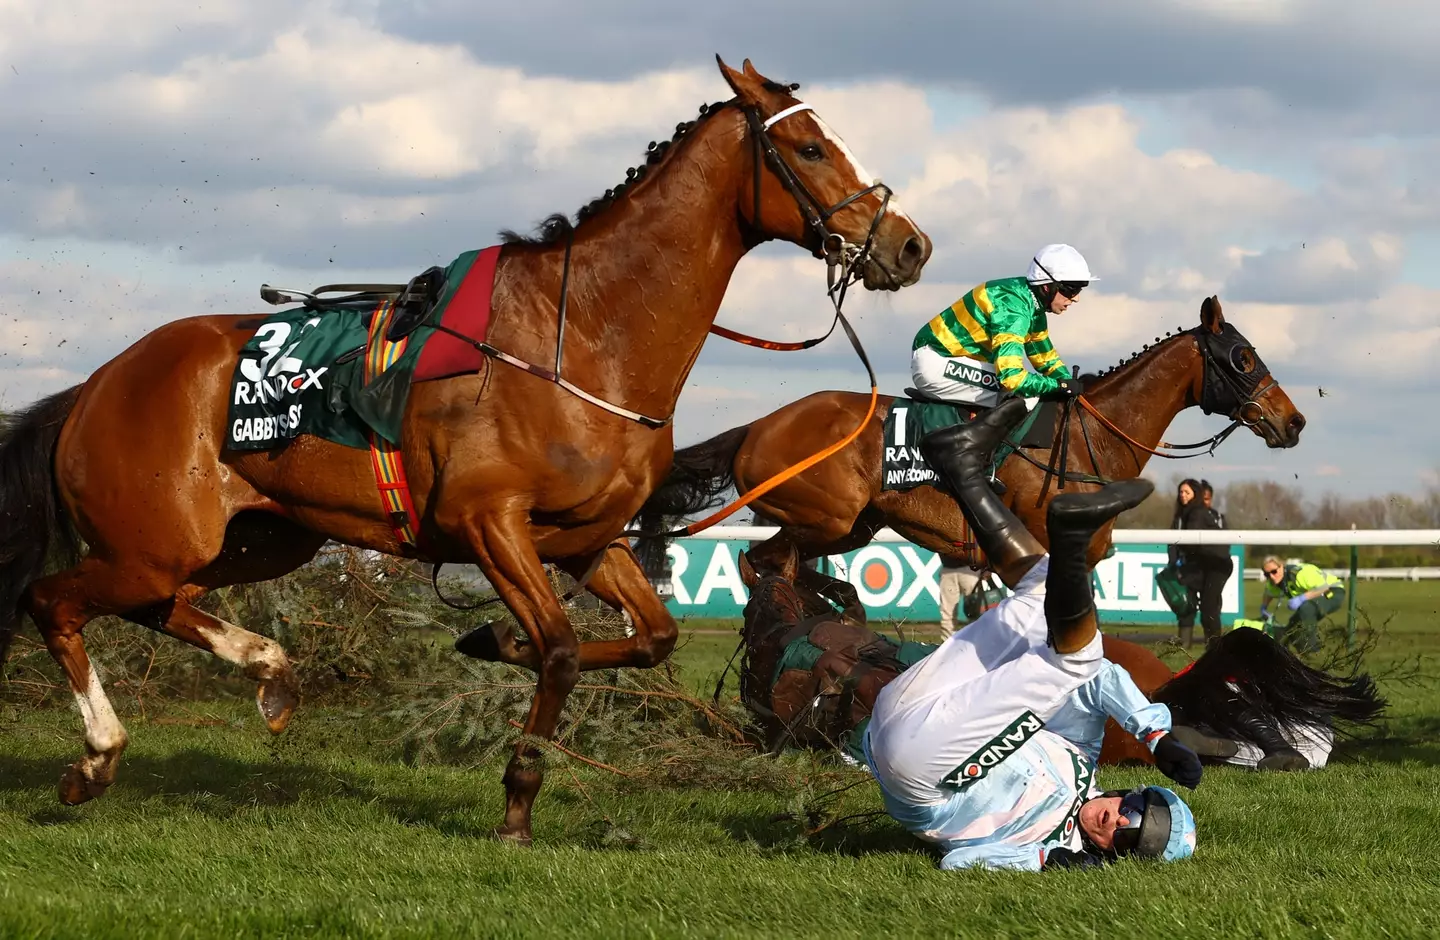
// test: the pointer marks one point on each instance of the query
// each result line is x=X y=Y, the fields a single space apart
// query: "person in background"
x=1311 y=595
x=1203 y=569
x=1207 y=496
x=955 y=583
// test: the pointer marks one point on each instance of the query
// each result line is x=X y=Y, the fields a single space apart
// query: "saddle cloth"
x=903 y=467
x=303 y=370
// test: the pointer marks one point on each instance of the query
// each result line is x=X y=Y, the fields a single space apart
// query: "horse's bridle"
x=1226 y=387
x=848 y=257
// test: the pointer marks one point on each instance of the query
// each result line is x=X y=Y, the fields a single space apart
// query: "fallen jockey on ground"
x=959 y=742
x=810 y=678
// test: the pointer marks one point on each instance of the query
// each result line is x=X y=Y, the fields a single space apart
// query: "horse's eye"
x=1247 y=361
x=811 y=152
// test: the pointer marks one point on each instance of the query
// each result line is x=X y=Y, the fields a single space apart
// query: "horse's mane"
x=1088 y=377
x=557 y=227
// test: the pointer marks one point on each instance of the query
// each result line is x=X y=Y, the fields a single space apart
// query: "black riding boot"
x=1279 y=754
x=1071 y=522
x=961 y=456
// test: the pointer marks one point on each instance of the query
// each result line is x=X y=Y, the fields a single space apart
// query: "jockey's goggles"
x=1071 y=289
x=1147 y=824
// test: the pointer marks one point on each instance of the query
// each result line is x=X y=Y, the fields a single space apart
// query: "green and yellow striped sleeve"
x=1013 y=322
x=1041 y=352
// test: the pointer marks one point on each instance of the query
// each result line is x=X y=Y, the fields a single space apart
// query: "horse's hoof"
x=514 y=835
x=277 y=698
x=1284 y=759
x=76 y=788
x=494 y=642
x=483 y=642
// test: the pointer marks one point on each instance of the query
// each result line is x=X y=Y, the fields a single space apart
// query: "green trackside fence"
x=900 y=581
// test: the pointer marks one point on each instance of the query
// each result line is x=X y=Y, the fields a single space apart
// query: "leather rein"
x=1221 y=383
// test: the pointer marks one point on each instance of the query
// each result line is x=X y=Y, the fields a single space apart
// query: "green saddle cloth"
x=303 y=372
x=902 y=466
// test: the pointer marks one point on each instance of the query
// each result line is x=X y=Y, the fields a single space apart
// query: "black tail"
x=1246 y=669
x=34 y=529
x=698 y=476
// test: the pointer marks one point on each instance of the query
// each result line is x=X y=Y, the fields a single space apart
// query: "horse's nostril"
x=913 y=250
x=1297 y=422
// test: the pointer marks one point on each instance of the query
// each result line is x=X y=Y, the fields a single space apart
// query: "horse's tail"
x=698 y=476
x=34 y=527
x=1247 y=671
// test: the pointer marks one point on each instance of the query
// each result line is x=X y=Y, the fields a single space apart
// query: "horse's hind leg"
x=261 y=658
x=61 y=606
x=258 y=547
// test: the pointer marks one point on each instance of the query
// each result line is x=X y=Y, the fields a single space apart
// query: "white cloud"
x=170 y=156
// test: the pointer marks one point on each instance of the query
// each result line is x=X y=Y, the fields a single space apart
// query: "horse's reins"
x=844 y=264
x=1245 y=398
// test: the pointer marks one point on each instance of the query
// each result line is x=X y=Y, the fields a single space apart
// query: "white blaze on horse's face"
x=902 y=268
x=845 y=156
x=848 y=156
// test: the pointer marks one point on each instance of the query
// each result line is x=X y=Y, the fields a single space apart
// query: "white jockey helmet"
x=1058 y=263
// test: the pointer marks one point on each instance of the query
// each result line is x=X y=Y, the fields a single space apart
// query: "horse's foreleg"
x=620 y=581
x=259 y=657
x=506 y=555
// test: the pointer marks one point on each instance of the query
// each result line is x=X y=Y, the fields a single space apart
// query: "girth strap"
x=385 y=457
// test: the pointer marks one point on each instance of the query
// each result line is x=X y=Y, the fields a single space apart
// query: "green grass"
x=216 y=829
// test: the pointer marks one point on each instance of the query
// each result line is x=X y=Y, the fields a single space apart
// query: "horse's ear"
x=747 y=572
x=790 y=567
x=1211 y=316
x=748 y=85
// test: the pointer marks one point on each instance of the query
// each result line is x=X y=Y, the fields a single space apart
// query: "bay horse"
x=508 y=468
x=838 y=505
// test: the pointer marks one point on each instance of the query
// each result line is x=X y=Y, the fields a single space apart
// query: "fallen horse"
x=809 y=677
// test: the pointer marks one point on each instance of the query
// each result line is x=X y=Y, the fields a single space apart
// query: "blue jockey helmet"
x=1158 y=824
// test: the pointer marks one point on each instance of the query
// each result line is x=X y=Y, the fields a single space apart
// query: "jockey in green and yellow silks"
x=977 y=347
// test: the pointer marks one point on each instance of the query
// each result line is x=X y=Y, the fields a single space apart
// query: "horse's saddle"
x=413 y=301
x=1038 y=432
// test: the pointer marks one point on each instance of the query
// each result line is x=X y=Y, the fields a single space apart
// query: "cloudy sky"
x=160 y=158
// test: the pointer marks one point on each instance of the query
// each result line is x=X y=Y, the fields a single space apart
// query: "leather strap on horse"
x=839 y=259
x=771 y=344
x=1202 y=447
x=799 y=468
x=385 y=458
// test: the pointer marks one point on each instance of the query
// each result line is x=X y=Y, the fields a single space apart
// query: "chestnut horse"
x=508 y=468
x=838 y=505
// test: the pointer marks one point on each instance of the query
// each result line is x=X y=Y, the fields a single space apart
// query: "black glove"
x=1178 y=762
x=1064 y=858
x=1069 y=388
